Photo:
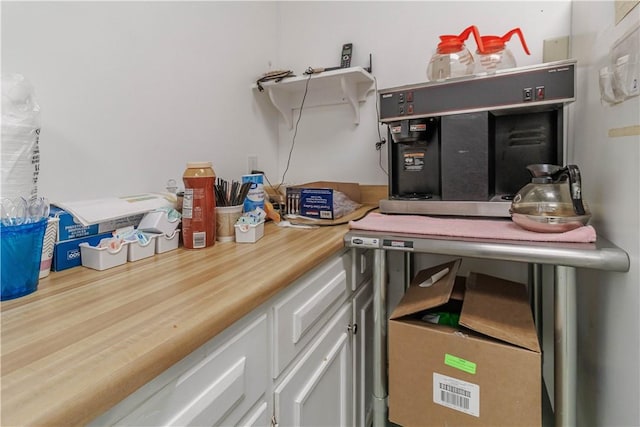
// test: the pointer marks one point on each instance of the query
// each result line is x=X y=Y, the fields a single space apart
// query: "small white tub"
x=138 y=251
x=249 y=233
x=168 y=243
x=102 y=258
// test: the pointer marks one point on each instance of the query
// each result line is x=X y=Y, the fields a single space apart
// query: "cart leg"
x=535 y=296
x=379 y=338
x=565 y=346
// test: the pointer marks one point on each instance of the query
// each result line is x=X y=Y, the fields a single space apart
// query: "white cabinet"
x=258 y=417
x=318 y=390
x=361 y=267
x=218 y=390
x=363 y=354
x=297 y=360
x=298 y=313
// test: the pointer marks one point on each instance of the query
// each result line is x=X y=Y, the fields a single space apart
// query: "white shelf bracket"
x=349 y=91
x=280 y=100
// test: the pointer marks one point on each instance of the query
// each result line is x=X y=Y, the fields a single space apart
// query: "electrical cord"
x=381 y=140
x=293 y=141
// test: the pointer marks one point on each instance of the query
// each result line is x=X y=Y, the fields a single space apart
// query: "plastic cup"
x=50 y=235
x=226 y=217
x=20 y=254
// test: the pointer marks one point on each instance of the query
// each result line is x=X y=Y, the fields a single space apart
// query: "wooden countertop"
x=87 y=339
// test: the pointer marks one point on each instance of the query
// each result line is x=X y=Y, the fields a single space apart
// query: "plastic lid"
x=450 y=46
x=491 y=44
x=452 y=43
x=198 y=165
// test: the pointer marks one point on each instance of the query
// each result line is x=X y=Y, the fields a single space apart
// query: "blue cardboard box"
x=316 y=199
x=316 y=203
x=66 y=254
x=68 y=228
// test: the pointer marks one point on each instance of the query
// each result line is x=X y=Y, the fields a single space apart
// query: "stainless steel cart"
x=565 y=259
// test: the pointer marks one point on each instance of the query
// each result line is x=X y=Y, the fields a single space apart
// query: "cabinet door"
x=318 y=391
x=257 y=417
x=299 y=315
x=363 y=354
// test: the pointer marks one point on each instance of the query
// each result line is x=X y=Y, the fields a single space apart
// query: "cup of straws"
x=229 y=202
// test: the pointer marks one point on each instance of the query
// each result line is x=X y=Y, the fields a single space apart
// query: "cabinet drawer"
x=300 y=313
x=257 y=417
x=218 y=390
x=362 y=266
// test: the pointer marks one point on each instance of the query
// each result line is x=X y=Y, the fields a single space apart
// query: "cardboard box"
x=484 y=372
x=69 y=228
x=67 y=254
x=316 y=199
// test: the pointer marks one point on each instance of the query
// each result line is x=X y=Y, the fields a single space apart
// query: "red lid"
x=492 y=44
x=452 y=43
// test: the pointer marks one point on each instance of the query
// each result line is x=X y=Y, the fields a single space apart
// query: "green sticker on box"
x=458 y=363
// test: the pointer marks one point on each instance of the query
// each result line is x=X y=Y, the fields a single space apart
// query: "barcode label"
x=199 y=240
x=456 y=394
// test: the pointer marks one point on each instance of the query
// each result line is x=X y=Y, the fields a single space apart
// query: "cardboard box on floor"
x=485 y=372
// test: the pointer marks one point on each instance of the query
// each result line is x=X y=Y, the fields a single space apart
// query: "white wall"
x=131 y=91
x=608 y=303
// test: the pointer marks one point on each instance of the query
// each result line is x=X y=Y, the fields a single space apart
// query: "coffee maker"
x=461 y=146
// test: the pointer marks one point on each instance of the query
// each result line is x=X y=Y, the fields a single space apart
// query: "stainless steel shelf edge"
x=448 y=207
x=601 y=255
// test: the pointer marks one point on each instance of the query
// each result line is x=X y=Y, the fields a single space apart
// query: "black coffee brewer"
x=461 y=146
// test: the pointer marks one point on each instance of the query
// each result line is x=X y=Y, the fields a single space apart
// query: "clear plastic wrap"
x=20 y=136
x=343 y=205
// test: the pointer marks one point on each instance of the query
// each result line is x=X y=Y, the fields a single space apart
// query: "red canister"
x=198 y=206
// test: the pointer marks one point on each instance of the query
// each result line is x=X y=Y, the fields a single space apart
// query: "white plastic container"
x=249 y=233
x=166 y=243
x=158 y=222
x=138 y=251
x=102 y=258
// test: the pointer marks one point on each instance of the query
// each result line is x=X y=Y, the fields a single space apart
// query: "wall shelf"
x=343 y=86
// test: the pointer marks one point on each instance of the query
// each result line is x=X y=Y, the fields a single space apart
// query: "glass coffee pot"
x=492 y=53
x=552 y=201
x=452 y=58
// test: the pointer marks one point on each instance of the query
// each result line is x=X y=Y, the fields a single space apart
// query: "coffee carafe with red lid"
x=492 y=53
x=452 y=58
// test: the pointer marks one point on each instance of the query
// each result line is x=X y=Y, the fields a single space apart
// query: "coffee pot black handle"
x=575 y=187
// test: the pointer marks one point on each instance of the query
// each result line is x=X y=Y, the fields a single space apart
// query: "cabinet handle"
x=353 y=328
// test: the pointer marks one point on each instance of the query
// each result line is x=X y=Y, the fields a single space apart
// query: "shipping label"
x=456 y=394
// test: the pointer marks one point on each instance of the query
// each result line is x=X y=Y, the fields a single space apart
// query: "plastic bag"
x=343 y=205
x=20 y=155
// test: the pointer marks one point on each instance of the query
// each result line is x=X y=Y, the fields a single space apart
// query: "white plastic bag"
x=20 y=157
